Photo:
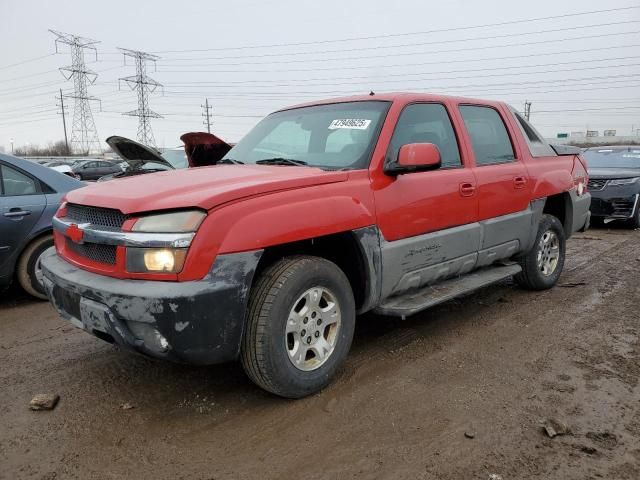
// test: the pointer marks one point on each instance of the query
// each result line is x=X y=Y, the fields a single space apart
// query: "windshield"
x=613 y=157
x=336 y=136
x=177 y=158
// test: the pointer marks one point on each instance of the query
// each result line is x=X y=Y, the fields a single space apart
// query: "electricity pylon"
x=144 y=86
x=84 y=136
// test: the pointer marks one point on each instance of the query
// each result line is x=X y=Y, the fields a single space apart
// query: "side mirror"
x=416 y=157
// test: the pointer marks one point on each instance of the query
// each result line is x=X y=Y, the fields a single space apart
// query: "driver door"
x=428 y=219
x=21 y=206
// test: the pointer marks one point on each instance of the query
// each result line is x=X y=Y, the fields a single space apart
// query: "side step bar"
x=418 y=300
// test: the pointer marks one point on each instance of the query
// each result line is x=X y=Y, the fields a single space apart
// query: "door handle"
x=519 y=182
x=16 y=212
x=467 y=189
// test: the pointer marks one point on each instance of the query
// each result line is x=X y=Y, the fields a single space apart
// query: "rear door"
x=427 y=218
x=21 y=205
x=504 y=187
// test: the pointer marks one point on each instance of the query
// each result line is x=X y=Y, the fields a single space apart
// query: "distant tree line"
x=53 y=149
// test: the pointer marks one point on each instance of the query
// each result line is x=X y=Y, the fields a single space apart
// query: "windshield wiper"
x=280 y=161
x=230 y=160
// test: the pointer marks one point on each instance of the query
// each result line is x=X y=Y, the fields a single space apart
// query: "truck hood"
x=614 y=172
x=135 y=153
x=203 y=187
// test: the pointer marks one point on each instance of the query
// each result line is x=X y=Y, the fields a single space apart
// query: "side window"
x=489 y=137
x=538 y=147
x=426 y=123
x=528 y=129
x=15 y=183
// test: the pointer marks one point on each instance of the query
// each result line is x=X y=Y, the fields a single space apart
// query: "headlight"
x=174 y=222
x=155 y=260
x=624 y=181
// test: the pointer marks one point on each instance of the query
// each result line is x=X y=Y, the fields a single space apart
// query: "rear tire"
x=28 y=268
x=301 y=317
x=542 y=265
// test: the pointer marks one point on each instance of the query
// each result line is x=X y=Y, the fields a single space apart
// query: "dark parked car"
x=29 y=196
x=94 y=169
x=200 y=149
x=614 y=183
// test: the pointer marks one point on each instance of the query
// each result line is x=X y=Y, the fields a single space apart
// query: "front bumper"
x=614 y=204
x=198 y=322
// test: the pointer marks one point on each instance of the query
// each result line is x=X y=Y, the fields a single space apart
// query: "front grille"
x=596 y=184
x=94 y=251
x=105 y=218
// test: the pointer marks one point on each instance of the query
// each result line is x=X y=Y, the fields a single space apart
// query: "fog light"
x=156 y=260
x=159 y=260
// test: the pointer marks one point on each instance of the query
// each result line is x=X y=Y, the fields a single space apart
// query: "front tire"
x=543 y=264
x=301 y=317
x=28 y=269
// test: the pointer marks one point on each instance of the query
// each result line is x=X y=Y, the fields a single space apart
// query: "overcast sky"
x=579 y=71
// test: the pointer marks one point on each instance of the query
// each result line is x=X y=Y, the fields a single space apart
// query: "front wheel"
x=542 y=265
x=29 y=271
x=301 y=318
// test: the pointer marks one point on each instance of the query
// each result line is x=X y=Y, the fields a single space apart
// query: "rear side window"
x=426 y=123
x=538 y=147
x=528 y=129
x=15 y=183
x=489 y=137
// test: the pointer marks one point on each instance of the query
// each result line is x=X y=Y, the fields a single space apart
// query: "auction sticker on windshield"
x=352 y=123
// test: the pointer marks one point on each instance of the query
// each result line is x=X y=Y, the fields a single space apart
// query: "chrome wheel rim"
x=548 y=252
x=37 y=269
x=312 y=329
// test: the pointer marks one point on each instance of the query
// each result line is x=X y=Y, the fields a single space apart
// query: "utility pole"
x=64 y=122
x=527 y=110
x=144 y=86
x=207 y=114
x=84 y=136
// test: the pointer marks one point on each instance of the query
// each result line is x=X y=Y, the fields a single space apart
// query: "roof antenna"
x=371 y=94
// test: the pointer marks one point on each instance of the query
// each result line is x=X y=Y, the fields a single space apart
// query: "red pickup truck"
x=387 y=203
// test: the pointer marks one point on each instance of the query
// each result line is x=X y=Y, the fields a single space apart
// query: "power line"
x=27 y=61
x=373 y=82
x=418 y=44
x=398 y=54
x=404 y=75
x=394 y=35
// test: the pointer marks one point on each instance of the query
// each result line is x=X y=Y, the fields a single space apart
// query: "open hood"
x=203 y=148
x=134 y=153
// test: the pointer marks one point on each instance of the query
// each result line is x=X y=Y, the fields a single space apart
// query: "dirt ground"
x=495 y=365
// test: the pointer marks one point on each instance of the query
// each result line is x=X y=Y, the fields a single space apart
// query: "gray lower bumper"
x=581 y=214
x=199 y=322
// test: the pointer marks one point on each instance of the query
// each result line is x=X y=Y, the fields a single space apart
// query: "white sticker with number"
x=351 y=123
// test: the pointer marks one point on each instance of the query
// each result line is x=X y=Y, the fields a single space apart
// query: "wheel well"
x=26 y=245
x=340 y=248
x=558 y=205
